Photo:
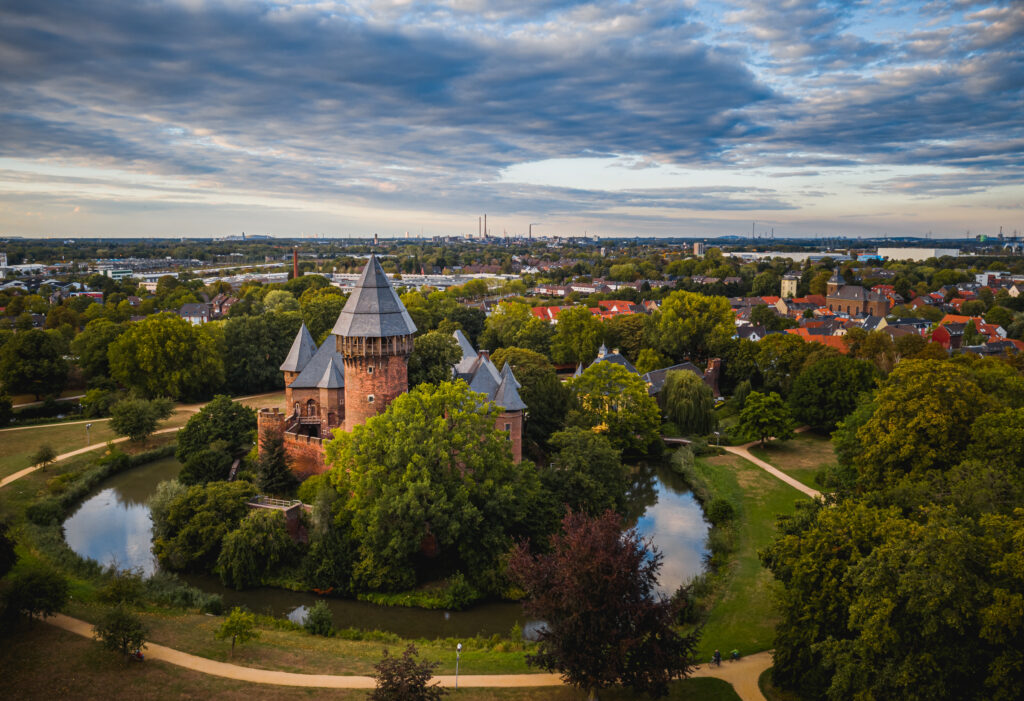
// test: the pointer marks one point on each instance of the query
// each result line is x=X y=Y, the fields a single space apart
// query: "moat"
x=112 y=525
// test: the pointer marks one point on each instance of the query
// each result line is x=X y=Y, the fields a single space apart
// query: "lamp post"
x=718 y=438
x=87 y=427
x=458 y=654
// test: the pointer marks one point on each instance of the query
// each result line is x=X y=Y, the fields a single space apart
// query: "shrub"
x=123 y=586
x=405 y=678
x=122 y=631
x=719 y=511
x=319 y=620
x=36 y=590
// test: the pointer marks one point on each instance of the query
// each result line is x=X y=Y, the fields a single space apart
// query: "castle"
x=362 y=367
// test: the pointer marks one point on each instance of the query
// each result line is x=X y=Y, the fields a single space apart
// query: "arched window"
x=311 y=407
x=297 y=409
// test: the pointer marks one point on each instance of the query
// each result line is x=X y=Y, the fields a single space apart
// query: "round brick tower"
x=374 y=333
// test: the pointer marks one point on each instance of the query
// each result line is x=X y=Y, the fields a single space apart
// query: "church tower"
x=374 y=336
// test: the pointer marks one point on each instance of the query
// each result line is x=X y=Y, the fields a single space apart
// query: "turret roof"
x=374 y=309
x=464 y=368
x=506 y=395
x=302 y=351
x=507 y=374
x=327 y=366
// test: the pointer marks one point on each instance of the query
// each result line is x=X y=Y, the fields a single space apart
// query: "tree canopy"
x=578 y=334
x=431 y=474
x=690 y=325
x=31 y=362
x=193 y=524
x=766 y=416
x=433 y=355
x=545 y=396
x=689 y=403
x=220 y=420
x=609 y=399
x=605 y=623
x=827 y=390
x=164 y=355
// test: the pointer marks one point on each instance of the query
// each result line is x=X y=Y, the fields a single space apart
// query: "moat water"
x=112 y=526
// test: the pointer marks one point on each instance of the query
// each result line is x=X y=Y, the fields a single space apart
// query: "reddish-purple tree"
x=605 y=623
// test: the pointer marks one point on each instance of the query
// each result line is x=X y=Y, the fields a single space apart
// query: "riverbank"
x=741 y=615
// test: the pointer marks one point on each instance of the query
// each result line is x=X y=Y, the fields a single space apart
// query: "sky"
x=611 y=118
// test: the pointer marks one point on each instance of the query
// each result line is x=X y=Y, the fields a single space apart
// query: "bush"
x=719 y=511
x=35 y=589
x=98 y=401
x=405 y=678
x=123 y=586
x=212 y=464
x=122 y=631
x=257 y=547
x=319 y=620
x=167 y=589
x=459 y=593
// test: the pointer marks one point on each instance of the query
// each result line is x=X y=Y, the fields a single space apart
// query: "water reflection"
x=113 y=526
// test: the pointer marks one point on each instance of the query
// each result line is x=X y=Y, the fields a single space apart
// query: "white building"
x=917 y=254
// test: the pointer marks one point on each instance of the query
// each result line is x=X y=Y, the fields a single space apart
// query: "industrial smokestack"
x=479 y=227
x=485 y=226
x=295 y=264
x=375 y=239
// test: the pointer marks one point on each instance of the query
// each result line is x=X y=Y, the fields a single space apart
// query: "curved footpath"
x=96 y=446
x=742 y=675
x=743 y=452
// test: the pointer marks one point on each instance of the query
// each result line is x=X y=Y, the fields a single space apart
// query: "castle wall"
x=371 y=383
x=305 y=454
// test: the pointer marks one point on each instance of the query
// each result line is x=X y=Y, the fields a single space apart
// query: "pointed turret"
x=374 y=310
x=302 y=351
x=327 y=356
x=507 y=374
x=464 y=368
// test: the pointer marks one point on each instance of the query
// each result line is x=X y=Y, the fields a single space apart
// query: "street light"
x=718 y=438
x=458 y=653
x=87 y=427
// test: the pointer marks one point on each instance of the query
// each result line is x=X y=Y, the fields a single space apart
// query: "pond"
x=112 y=525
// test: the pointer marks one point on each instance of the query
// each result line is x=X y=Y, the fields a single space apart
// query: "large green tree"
x=194 y=524
x=766 y=416
x=432 y=475
x=586 y=473
x=826 y=391
x=220 y=420
x=164 y=355
x=255 y=347
x=320 y=309
x=31 y=362
x=578 y=334
x=137 y=418
x=91 y=345
x=609 y=399
x=259 y=546
x=504 y=324
x=433 y=356
x=688 y=403
x=690 y=325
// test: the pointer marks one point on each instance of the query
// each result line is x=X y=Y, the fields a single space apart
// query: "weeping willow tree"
x=688 y=403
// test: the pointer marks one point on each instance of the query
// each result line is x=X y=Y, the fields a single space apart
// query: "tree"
x=220 y=420
x=765 y=284
x=609 y=399
x=44 y=456
x=503 y=325
x=586 y=473
x=649 y=360
x=164 y=355
x=433 y=472
x=195 y=523
x=255 y=348
x=605 y=625
x=318 y=620
x=689 y=403
x=766 y=416
x=924 y=411
x=91 y=346
x=578 y=335
x=240 y=626
x=256 y=548
x=280 y=301
x=320 y=310
x=433 y=355
x=1000 y=316
x=470 y=319
x=35 y=589
x=273 y=473
x=546 y=397
x=211 y=464
x=137 y=418
x=779 y=359
x=827 y=390
x=31 y=362
x=122 y=631
x=405 y=678
x=690 y=325
x=8 y=554
x=627 y=333
x=819 y=283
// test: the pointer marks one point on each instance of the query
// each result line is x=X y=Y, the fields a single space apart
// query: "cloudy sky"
x=186 y=117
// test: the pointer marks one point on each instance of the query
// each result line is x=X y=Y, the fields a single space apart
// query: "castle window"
x=369 y=398
x=370 y=369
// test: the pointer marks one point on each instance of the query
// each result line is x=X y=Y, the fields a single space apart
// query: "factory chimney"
x=295 y=264
x=485 y=226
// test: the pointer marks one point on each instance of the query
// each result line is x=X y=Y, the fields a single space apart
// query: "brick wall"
x=306 y=455
x=512 y=421
x=382 y=378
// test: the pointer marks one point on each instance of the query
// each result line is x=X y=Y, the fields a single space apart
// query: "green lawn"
x=801 y=458
x=86 y=671
x=742 y=615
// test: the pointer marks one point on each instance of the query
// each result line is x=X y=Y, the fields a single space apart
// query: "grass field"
x=17 y=446
x=49 y=663
x=742 y=615
x=801 y=458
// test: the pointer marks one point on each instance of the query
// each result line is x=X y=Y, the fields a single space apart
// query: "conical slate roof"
x=486 y=377
x=506 y=395
x=464 y=368
x=319 y=369
x=507 y=374
x=374 y=309
x=302 y=351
